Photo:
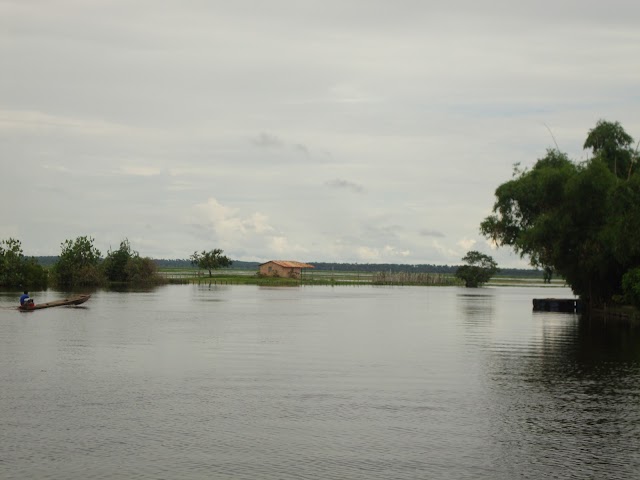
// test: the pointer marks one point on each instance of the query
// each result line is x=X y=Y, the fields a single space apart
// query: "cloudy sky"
x=315 y=130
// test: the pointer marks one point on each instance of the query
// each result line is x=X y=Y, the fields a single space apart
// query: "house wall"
x=272 y=270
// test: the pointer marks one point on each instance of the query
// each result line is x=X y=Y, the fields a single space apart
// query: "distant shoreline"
x=48 y=260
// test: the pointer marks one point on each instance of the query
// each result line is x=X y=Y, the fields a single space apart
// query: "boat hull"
x=75 y=300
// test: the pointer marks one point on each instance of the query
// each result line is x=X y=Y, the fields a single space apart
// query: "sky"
x=359 y=131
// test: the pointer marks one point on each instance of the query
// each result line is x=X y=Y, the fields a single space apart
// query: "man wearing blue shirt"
x=24 y=298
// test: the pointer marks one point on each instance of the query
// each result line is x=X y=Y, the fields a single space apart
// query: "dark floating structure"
x=569 y=305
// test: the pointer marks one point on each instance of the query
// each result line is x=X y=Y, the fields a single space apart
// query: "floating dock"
x=569 y=305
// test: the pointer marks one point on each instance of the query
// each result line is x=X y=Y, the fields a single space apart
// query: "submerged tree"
x=580 y=220
x=16 y=270
x=125 y=265
x=114 y=264
x=211 y=260
x=478 y=270
x=78 y=264
x=143 y=270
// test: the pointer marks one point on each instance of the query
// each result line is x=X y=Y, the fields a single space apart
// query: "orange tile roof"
x=289 y=264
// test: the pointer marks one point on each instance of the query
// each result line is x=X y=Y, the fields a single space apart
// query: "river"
x=247 y=382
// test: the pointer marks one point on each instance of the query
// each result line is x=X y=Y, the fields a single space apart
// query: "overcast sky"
x=361 y=131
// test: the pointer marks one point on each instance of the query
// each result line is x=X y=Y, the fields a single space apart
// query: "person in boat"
x=25 y=299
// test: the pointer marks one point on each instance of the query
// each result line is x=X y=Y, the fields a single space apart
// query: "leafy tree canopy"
x=114 y=264
x=126 y=266
x=78 y=263
x=612 y=144
x=211 y=260
x=478 y=270
x=16 y=270
x=579 y=220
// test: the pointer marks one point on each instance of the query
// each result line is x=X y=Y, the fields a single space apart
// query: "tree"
x=115 y=263
x=125 y=265
x=11 y=261
x=211 y=260
x=578 y=219
x=78 y=264
x=478 y=270
x=16 y=270
x=142 y=270
x=612 y=144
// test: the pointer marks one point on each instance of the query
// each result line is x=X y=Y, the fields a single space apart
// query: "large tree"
x=211 y=260
x=478 y=270
x=78 y=263
x=115 y=262
x=126 y=265
x=578 y=219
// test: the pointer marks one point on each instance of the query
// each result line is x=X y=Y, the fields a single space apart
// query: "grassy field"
x=524 y=282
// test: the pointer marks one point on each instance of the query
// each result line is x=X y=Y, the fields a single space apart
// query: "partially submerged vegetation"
x=346 y=277
x=409 y=278
x=79 y=265
x=319 y=278
x=478 y=270
x=578 y=219
x=17 y=270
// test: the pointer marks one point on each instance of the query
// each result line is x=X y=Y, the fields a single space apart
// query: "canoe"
x=75 y=300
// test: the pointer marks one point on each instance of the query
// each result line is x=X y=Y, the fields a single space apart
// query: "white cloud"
x=181 y=186
x=56 y=168
x=282 y=246
x=466 y=243
x=258 y=222
x=222 y=221
x=231 y=228
x=368 y=254
x=445 y=251
x=25 y=121
x=386 y=254
x=348 y=93
x=390 y=251
x=139 y=171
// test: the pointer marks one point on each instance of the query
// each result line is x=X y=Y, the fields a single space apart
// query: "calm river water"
x=243 y=382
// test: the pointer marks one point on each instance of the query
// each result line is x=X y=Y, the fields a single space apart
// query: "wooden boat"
x=75 y=300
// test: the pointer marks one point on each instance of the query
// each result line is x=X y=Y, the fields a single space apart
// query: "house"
x=283 y=268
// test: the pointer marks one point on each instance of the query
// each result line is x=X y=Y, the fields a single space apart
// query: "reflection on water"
x=571 y=398
x=476 y=310
x=345 y=383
